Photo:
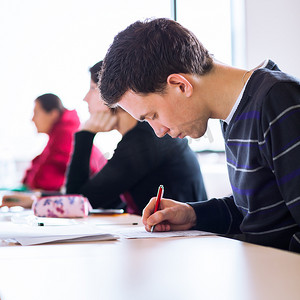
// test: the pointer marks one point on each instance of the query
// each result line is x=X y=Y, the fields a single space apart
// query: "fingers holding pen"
x=172 y=215
x=148 y=210
x=159 y=218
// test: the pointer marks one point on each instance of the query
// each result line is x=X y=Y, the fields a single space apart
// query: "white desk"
x=206 y=268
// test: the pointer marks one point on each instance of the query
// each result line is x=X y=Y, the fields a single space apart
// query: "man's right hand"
x=173 y=215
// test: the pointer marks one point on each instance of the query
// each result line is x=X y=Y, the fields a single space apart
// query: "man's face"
x=93 y=99
x=167 y=113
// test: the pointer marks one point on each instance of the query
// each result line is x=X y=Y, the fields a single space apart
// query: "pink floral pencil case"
x=63 y=206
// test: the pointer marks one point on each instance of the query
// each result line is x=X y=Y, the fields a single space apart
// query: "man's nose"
x=158 y=128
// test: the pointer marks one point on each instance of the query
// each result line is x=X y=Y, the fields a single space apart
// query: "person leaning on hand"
x=47 y=172
x=159 y=72
x=140 y=163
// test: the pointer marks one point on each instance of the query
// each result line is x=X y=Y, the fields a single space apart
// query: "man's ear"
x=182 y=82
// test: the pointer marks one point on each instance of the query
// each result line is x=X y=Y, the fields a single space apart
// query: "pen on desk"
x=41 y=224
x=51 y=222
x=45 y=224
x=158 y=197
x=134 y=223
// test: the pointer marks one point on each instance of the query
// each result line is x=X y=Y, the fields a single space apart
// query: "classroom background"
x=48 y=46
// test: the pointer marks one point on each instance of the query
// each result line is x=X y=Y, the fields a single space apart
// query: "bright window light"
x=210 y=21
x=48 y=46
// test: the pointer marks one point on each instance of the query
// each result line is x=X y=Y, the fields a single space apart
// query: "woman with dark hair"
x=48 y=170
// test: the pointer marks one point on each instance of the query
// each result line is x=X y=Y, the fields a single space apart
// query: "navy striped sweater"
x=262 y=144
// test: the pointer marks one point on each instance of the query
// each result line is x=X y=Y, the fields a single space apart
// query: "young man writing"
x=159 y=72
x=140 y=162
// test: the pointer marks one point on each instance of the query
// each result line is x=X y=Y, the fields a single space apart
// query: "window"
x=210 y=21
x=48 y=46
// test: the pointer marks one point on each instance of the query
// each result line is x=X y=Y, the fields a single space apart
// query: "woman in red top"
x=47 y=171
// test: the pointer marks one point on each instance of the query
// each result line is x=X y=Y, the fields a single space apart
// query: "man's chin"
x=195 y=136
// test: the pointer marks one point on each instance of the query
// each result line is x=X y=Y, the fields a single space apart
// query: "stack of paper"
x=27 y=229
x=31 y=235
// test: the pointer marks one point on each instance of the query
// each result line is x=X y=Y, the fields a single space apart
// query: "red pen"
x=158 y=197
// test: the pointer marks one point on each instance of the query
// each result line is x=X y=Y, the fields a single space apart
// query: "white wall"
x=272 y=31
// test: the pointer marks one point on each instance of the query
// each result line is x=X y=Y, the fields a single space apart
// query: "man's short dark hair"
x=143 y=56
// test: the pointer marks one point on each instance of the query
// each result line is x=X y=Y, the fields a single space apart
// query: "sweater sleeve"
x=79 y=168
x=281 y=124
x=218 y=215
x=129 y=164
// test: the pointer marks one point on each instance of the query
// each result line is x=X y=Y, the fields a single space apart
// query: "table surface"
x=206 y=267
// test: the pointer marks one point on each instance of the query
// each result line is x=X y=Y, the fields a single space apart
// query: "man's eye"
x=154 y=116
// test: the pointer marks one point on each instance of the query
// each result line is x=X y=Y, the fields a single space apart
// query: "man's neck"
x=221 y=88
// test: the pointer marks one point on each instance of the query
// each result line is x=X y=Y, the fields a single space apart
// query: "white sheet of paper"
x=32 y=235
x=27 y=234
x=140 y=233
x=24 y=241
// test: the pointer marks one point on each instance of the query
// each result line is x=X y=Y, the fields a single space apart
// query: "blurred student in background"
x=48 y=169
x=141 y=161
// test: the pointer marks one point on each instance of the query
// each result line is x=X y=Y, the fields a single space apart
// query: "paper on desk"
x=141 y=233
x=32 y=235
